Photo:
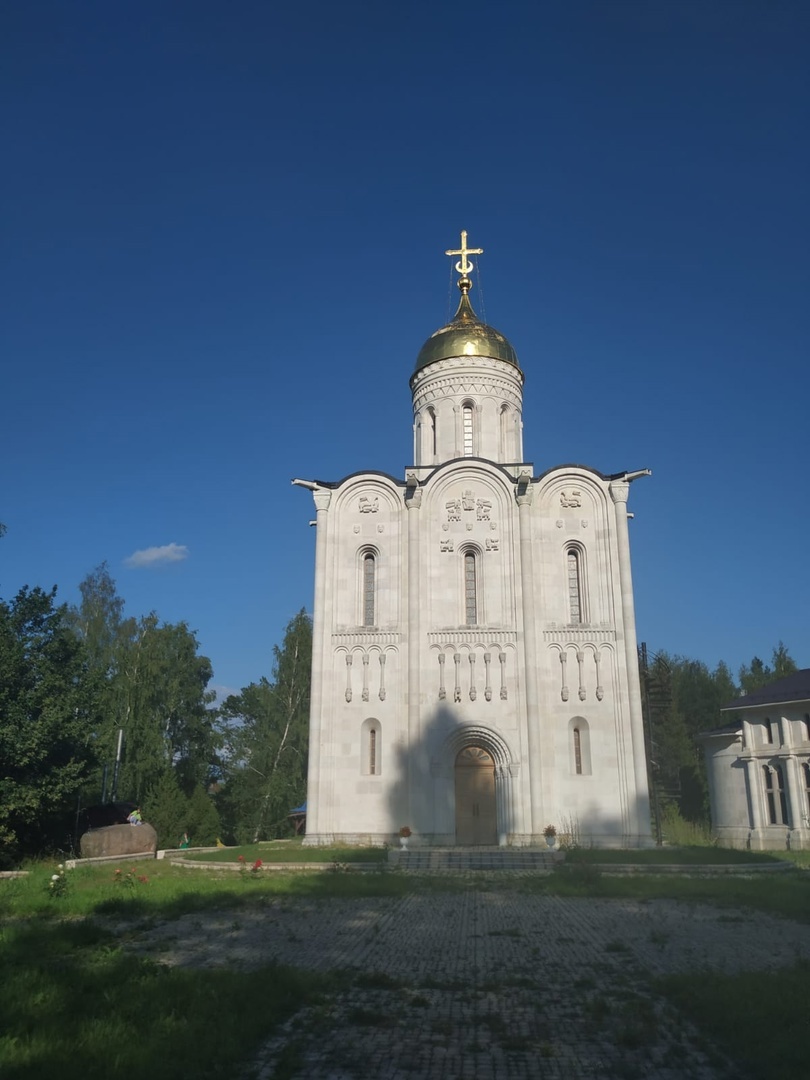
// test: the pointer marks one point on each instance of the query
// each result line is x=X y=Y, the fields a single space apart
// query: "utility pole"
x=114 y=794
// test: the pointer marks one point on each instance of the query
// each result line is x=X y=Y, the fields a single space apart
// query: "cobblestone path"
x=488 y=984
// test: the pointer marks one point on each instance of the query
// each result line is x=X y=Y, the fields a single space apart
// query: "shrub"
x=682 y=833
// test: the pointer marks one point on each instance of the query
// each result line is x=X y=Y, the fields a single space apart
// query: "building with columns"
x=474 y=671
x=759 y=768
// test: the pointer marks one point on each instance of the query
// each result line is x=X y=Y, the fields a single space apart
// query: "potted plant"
x=404 y=834
x=550 y=834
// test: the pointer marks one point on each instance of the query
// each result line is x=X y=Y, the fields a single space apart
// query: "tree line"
x=681 y=698
x=72 y=677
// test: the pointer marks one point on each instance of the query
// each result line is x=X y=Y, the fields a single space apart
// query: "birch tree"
x=162 y=703
x=154 y=688
x=266 y=733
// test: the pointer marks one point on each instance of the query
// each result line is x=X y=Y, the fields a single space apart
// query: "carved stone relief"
x=467 y=503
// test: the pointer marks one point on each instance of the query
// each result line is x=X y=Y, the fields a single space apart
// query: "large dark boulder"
x=119 y=840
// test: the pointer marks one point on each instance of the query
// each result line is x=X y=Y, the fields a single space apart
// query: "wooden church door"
x=476 y=819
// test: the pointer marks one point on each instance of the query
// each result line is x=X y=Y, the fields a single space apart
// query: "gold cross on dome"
x=465 y=266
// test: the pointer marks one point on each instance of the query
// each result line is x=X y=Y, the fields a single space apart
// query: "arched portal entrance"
x=476 y=816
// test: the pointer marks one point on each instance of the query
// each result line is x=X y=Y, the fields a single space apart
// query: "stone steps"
x=493 y=859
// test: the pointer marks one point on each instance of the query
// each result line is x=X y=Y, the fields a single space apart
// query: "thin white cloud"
x=157 y=556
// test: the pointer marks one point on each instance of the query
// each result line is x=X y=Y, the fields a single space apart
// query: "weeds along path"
x=486 y=983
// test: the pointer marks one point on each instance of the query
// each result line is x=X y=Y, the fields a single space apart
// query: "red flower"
x=241 y=858
x=257 y=865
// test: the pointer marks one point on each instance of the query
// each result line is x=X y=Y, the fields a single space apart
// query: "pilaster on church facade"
x=473 y=628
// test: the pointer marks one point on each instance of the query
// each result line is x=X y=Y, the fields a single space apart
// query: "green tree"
x=668 y=739
x=757 y=674
x=682 y=697
x=203 y=824
x=698 y=695
x=48 y=717
x=161 y=701
x=154 y=688
x=267 y=737
x=726 y=688
x=98 y=618
x=171 y=812
x=98 y=622
x=166 y=809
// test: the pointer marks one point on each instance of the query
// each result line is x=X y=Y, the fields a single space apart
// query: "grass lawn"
x=800 y=858
x=786 y=895
x=172 y=890
x=759 y=1018
x=672 y=856
x=75 y=1004
x=292 y=852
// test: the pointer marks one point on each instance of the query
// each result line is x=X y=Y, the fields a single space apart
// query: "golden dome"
x=466 y=335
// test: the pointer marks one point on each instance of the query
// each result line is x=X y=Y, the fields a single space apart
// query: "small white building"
x=474 y=671
x=759 y=768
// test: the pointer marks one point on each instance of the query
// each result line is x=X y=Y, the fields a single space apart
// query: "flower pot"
x=403 y=842
x=551 y=841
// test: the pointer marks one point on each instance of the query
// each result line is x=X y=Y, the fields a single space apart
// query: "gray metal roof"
x=795 y=687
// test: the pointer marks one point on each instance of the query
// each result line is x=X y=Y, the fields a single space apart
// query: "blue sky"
x=224 y=228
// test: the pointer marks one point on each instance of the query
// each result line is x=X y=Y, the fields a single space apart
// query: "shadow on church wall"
x=424 y=794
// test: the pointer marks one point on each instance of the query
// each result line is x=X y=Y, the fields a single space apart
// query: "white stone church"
x=474 y=672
